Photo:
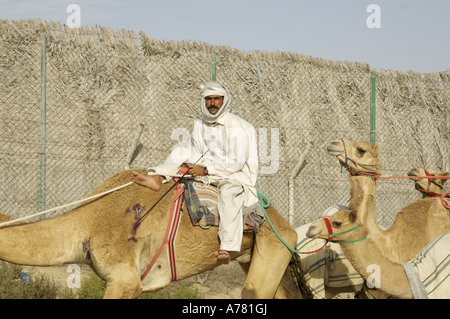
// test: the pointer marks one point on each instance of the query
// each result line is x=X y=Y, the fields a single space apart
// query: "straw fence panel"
x=101 y=84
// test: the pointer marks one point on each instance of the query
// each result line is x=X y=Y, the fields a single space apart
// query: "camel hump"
x=115 y=180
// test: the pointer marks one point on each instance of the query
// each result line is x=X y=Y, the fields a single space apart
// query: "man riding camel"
x=223 y=146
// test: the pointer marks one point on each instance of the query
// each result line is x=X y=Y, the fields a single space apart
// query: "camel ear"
x=353 y=215
x=376 y=150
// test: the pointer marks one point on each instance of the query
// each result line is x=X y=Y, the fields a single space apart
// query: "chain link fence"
x=73 y=100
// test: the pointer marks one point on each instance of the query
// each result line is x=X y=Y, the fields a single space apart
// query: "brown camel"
x=415 y=225
x=102 y=234
x=368 y=258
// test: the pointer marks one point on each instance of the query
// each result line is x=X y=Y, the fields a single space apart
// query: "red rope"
x=445 y=202
x=419 y=177
x=376 y=176
x=169 y=237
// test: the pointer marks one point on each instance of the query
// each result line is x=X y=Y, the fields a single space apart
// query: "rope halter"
x=331 y=235
x=347 y=159
x=427 y=192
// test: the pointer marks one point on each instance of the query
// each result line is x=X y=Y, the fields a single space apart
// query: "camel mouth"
x=313 y=232
x=333 y=152
x=335 y=148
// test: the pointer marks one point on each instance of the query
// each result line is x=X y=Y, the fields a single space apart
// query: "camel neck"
x=363 y=199
x=376 y=269
x=361 y=187
x=366 y=255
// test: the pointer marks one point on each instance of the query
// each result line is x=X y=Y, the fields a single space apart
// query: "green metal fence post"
x=213 y=68
x=372 y=110
x=42 y=153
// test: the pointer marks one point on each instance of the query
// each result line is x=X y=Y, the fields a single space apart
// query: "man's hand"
x=195 y=170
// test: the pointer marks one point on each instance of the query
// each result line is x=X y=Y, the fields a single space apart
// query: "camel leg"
x=287 y=288
x=123 y=283
x=269 y=262
x=245 y=267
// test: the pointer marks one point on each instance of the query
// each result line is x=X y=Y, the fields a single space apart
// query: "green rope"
x=345 y=232
x=348 y=241
x=264 y=206
x=262 y=197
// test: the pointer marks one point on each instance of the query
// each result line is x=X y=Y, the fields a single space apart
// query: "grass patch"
x=42 y=286
x=38 y=286
x=93 y=287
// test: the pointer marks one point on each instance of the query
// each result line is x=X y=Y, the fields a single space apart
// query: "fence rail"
x=70 y=112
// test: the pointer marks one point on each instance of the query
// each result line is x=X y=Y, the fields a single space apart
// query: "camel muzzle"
x=312 y=232
x=335 y=148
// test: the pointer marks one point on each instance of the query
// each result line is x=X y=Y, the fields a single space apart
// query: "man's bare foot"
x=223 y=257
x=151 y=181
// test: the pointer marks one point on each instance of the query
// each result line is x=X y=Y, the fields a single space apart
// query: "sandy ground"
x=224 y=282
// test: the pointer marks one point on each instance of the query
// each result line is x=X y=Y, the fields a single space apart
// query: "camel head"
x=342 y=224
x=356 y=156
x=425 y=184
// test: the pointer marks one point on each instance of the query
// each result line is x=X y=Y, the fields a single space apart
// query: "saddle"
x=201 y=202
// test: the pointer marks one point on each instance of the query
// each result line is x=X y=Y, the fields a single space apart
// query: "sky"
x=394 y=34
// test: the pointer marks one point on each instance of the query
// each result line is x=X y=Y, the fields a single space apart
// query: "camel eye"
x=337 y=224
x=361 y=151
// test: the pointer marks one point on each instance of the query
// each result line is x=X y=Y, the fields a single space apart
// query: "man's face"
x=213 y=103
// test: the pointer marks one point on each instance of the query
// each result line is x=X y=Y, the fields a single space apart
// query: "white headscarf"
x=214 y=88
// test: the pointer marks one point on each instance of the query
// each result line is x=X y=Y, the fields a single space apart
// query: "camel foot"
x=223 y=257
x=151 y=181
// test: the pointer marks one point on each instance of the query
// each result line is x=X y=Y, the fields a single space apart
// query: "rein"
x=263 y=198
x=443 y=198
x=444 y=201
x=327 y=222
x=177 y=180
x=376 y=176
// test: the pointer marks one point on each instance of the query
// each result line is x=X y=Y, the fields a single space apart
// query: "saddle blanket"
x=429 y=272
x=201 y=202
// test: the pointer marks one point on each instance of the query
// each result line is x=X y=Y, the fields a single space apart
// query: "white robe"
x=228 y=149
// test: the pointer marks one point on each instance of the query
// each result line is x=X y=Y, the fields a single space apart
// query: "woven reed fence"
x=65 y=130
